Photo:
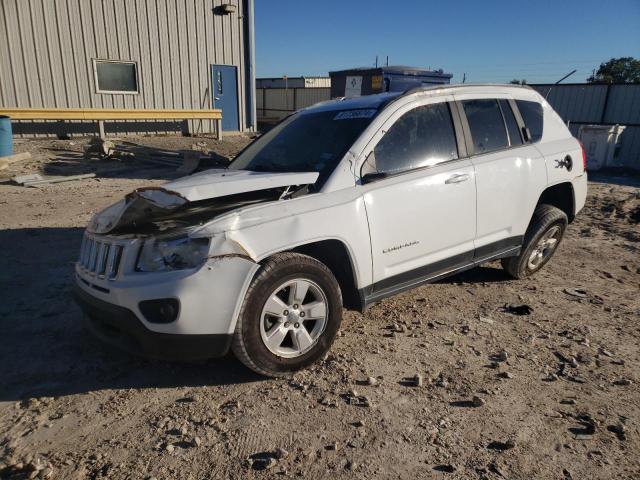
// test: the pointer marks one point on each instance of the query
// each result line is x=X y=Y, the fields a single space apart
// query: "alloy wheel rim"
x=544 y=248
x=293 y=318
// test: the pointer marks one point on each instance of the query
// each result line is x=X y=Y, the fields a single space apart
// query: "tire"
x=254 y=342
x=547 y=220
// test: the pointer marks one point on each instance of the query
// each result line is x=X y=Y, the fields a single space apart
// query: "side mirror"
x=526 y=134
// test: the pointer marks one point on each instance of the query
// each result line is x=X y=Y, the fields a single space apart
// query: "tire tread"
x=238 y=346
x=543 y=216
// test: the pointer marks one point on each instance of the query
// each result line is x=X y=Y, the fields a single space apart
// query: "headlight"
x=172 y=254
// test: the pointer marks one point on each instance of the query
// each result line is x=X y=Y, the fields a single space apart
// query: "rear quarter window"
x=531 y=113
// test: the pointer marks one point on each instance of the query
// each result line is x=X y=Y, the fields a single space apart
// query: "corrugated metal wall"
x=310 y=96
x=275 y=103
x=623 y=105
x=581 y=104
x=294 y=82
x=47 y=48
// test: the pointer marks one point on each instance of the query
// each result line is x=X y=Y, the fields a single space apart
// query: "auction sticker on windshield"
x=351 y=114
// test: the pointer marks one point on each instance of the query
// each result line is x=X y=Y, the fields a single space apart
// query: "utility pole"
x=286 y=90
x=464 y=77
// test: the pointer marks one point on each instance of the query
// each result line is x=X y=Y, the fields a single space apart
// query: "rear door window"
x=486 y=124
x=510 y=121
x=422 y=137
x=531 y=113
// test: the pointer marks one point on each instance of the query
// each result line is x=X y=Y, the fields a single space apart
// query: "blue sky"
x=489 y=40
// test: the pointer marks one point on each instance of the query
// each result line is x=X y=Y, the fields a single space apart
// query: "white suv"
x=343 y=203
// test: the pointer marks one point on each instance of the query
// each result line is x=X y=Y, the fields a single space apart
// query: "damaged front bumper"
x=119 y=327
x=146 y=312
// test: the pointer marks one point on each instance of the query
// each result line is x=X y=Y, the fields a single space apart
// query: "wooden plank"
x=22 y=179
x=37 y=179
x=108 y=114
x=69 y=178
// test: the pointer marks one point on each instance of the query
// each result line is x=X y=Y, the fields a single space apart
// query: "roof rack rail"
x=424 y=88
x=411 y=90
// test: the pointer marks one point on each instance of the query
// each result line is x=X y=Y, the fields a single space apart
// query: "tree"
x=515 y=81
x=617 y=70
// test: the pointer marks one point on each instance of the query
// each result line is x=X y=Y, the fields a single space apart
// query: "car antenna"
x=563 y=78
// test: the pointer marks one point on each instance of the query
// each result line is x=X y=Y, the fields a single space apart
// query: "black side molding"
x=497 y=247
x=507 y=247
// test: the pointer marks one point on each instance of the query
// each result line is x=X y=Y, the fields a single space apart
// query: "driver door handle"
x=461 y=177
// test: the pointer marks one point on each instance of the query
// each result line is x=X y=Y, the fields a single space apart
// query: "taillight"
x=584 y=157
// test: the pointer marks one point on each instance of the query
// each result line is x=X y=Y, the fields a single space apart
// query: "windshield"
x=306 y=142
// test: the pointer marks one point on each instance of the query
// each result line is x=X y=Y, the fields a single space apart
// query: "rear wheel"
x=540 y=243
x=290 y=316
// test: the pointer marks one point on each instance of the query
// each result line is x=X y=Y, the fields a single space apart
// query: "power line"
x=515 y=64
x=519 y=74
x=523 y=70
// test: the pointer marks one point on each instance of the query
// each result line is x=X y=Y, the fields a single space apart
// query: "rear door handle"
x=461 y=177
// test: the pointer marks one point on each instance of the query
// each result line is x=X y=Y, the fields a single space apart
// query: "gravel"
x=88 y=411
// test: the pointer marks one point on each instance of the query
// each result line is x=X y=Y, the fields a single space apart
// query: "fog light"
x=163 y=310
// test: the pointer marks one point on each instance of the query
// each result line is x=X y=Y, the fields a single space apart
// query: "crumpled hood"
x=218 y=183
x=147 y=203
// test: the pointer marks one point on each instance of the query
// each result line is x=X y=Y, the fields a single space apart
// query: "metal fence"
x=276 y=103
x=578 y=104
x=595 y=104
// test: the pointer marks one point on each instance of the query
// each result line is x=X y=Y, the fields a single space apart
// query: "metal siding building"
x=48 y=50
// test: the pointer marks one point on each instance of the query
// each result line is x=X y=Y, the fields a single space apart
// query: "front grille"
x=100 y=257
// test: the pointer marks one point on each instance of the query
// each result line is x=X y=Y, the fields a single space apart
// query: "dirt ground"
x=553 y=394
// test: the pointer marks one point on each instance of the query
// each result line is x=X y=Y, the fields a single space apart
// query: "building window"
x=219 y=82
x=114 y=76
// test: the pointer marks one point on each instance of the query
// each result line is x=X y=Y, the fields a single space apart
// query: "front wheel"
x=290 y=315
x=540 y=242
